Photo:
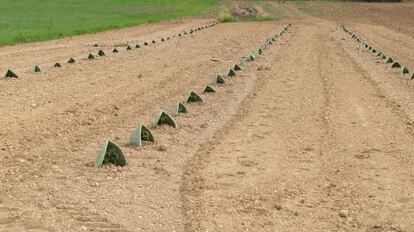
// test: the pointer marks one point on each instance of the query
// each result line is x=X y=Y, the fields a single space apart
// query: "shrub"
x=225 y=17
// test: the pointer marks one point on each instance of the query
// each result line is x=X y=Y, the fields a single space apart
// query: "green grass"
x=34 y=20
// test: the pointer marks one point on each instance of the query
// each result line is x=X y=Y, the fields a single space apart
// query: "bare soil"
x=314 y=135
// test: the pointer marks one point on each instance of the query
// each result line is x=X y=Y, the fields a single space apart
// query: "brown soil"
x=314 y=135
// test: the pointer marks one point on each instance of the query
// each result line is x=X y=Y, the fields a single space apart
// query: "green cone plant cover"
x=115 y=50
x=412 y=76
x=168 y=38
x=251 y=57
x=153 y=42
x=243 y=61
x=404 y=70
x=269 y=42
x=163 y=118
x=219 y=80
x=91 y=57
x=162 y=40
x=10 y=74
x=259 y=51
x=193 y=97
x=383 y=56
x=237 y=67
x=101 y=53
x=36 y=68
x=273 y=39
x=110 y=153
x=208 y=89
x=179 y=34
x=141 y=133
x=57 y=65
x=71 y=60
x=396 y=64
x=231 y=73
x=179 y=108
x=137 y=46
x=389 y=60
x=129 y=47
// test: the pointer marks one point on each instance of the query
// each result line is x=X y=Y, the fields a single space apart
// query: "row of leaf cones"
x=388 y=60
x=111 y=153
x=36 y=68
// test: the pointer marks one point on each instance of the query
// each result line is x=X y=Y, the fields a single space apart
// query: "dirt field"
x=314 y=135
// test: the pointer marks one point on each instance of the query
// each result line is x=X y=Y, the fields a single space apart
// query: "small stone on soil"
x=343 y=213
